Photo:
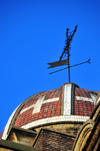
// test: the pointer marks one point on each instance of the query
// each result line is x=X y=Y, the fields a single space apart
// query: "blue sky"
x=32 y=34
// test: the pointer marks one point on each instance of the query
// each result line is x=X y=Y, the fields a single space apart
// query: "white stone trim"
x=4 y=136
x=93 y=97
x=67 y=99
x=84 y=99
x=38 y=104
x=98 y=100
x=51 y=120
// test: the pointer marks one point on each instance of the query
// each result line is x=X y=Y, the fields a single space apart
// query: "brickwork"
x=47 y=109
x=53 y=141
x=1 y=134
x=51 y=106
x=85 y=105
x=68 y=103
x=56 y=115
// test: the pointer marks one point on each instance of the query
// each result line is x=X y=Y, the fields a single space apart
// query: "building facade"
x=63 y=119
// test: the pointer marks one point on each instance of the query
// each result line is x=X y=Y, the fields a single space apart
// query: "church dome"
x=67 y=104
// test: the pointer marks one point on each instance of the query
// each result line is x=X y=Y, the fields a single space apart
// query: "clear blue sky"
x=32 y=34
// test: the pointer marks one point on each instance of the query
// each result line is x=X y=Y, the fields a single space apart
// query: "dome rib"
x=13 y=117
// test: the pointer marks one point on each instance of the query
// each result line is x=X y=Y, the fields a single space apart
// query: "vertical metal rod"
x=68 y=54
x=68 y=67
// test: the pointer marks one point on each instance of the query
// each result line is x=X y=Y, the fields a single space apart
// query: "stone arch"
x=83 y=135
x=95 y=112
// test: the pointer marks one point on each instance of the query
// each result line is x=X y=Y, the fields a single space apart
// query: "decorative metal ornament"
x=58 y=63
x=65 y=53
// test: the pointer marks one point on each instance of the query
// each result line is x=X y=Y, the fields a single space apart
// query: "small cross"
x=38 y=104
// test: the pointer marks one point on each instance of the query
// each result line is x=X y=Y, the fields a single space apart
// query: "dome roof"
x=69 y=103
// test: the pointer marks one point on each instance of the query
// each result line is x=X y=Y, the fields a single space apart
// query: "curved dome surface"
x=69 y=103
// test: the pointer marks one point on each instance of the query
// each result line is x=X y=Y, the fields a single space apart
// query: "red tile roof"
x=81 y=103
x=47 y=109
x=83 y=108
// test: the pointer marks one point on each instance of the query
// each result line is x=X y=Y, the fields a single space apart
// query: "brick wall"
x=54 y=141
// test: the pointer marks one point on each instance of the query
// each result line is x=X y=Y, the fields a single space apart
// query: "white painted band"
x=38 y=104
x=51 y=120
x=84 y=98
x=94 y=97
x=98 y=99
x=4 y=136
x=67 y=99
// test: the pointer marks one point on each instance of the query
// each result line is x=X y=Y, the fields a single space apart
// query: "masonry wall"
x=50 y=141
x=93 y=142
